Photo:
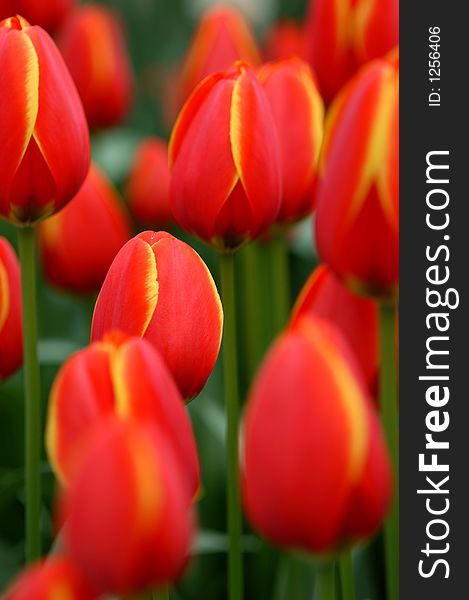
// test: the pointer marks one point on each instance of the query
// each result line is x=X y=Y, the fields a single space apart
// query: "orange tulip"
x=357 y=219
x=45 y=150
x=93 y=46
x=221 y=38
x=55 y=579
x=11 y=340
x=48 y=14
x=79 y=244
x=119 y=376
x=356 y=317
x=298 y=113
x=147 y=187
x=128 y=515
x=284 y=40
x=308 y=415
x=159 y=288
x=225 y=158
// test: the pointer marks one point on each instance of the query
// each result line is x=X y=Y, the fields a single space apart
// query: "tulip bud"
x=284 y=40
x=119 y=376
x=11 y=328
x=45 y=151
x=93 y=47
x=48 y=14
x=298 y=113
x=147 y=187
x=159 y=288
x=57 y=578
x=225 y=159
x=357 y=218
x=221 y=38
x=324 y=296
x=79 y=244
x=309 y=416
x=128 y=515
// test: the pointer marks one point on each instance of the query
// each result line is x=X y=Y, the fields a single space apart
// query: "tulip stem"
x=27 y=249
x=347 y=579
x=280 y=274
x=325 y=582
x=230 y=367
x=161 y=594
x=390 y=417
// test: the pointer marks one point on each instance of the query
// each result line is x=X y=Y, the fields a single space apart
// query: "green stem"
x=325 y=582
x=280 y=279
x=27 y=248
x=161 y=594
x=347 y=579
x=390 y=418
x=230 y=366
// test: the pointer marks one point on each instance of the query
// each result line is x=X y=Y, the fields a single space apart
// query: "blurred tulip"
x=79 y=244
x=55 y=579
x=147 y=187
x=93 y=46
x=221 y=38
x=128 y=515
x=11 y=340
x=48 y=14
x=298 y=113
x=225 y=159
x=376 y=28
x=45 y=150
x=324 y=296
x=159 y=288
x=357 y=218
x=118 y=376
x=308 y=414
x=284 y=40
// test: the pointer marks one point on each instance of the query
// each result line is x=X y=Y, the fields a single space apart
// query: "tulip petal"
x=11 y=330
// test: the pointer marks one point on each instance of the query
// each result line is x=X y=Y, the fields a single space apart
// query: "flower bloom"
x=284 y=40
x=298 y=113
x=357 y=218
x=11 y=328
x=93 y=47
x=147 y=186
x=57 y=577
x=355 y=316
x=49 y=15
x=45 y=151
x=159 y=288
x=225 y=158
x=308 y=414
x=79 y=244
x=122 y=377
x=128 y=519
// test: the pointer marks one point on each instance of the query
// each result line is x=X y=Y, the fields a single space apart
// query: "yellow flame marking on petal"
x=361 y=16
x=117 y=364
x=51 y=431
x=152 y=288
x=316 y=113
x=4 y=296
x=236 y=128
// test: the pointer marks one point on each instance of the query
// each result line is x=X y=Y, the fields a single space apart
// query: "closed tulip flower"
x=159 y=288
x=298 y=113
x=326 y=297
x=123 y=377
x=128 y=520
x=93 y=46
x=56 y=578
x=316 y=473
x=357 y=219
x=225 y=156
x=11 y=341
x=147 y=186
x=45 y=150
x=79 y=244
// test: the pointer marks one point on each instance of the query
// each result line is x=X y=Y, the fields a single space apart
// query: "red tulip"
x=376 y=28
x=79 y=244
x=299 y=115
x=357 y=220
x=119 y=376
x=316 y=472
x=48 y=14
x=45 y=150
x=93 y=47
x=128 y=515
x=147 y=187
x=159 y=288
x=326 y=297
x=55 y=579
x=284 y=40
x=222 y=37
x=11 y=328
x=225 y=158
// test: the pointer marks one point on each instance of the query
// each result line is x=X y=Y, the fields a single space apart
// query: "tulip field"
x=199 y=275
